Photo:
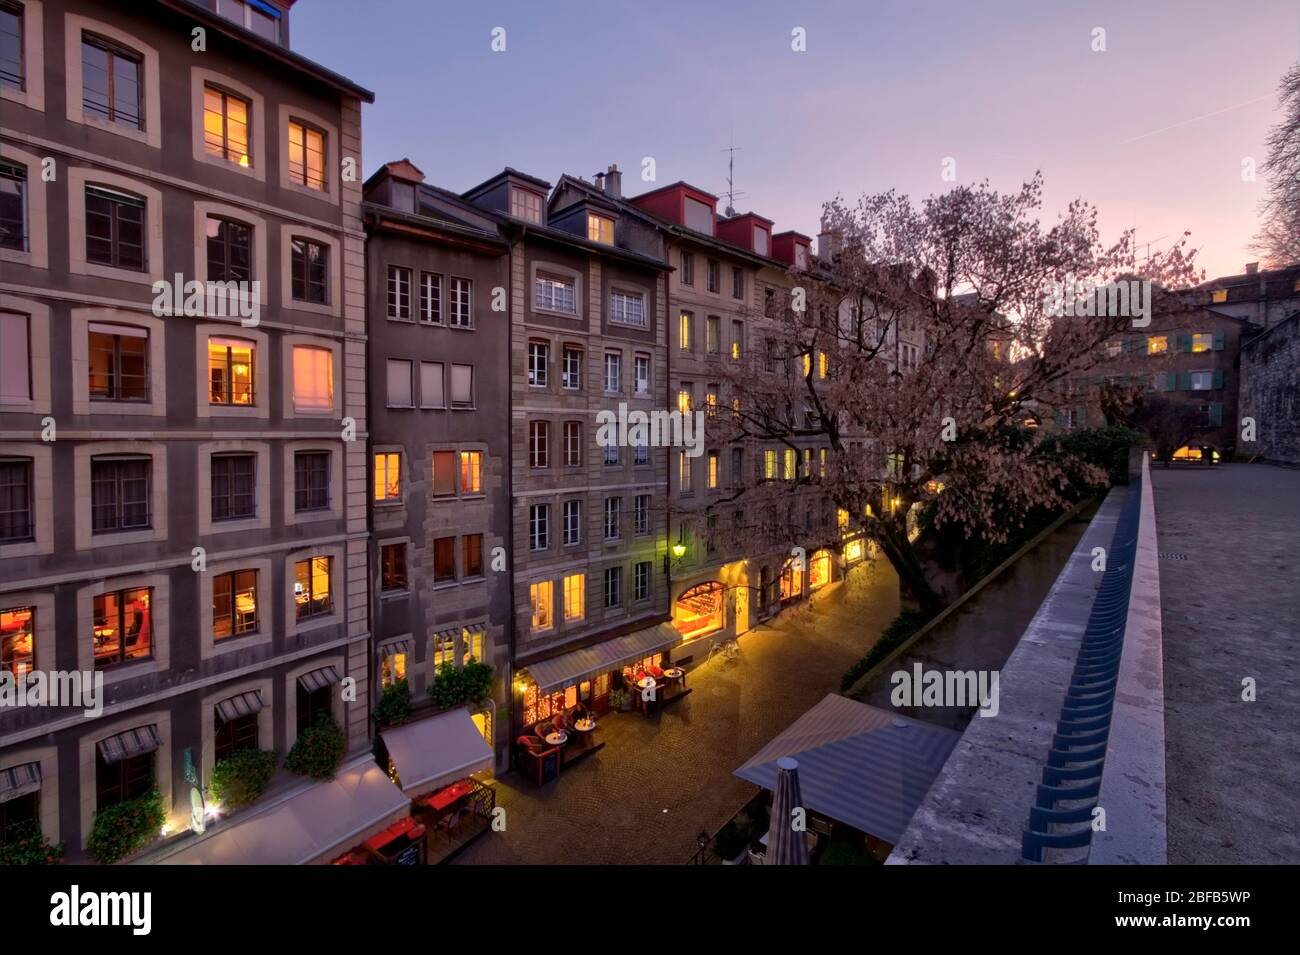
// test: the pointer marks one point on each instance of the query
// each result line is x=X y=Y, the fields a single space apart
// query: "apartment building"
x=587 y=334
x=1192 y=356
x=1262 y=297
x=212 y=565
x=439 y=415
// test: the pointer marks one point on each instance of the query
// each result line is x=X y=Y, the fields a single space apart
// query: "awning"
x=865 y=767
x=601 y=657
x=317 y=679
x=242 y=704
x=394 y=647
x=314 y=825
x=432 y=753
x=19 y=781
x=134 y=742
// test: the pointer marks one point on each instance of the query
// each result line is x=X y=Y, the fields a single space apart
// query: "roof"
x=214 y=20
x=504 y=173
x=431 y=753
x=1253 y=278
x=859 y=765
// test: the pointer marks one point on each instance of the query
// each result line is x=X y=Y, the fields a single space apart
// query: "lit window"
x=713 y=469
x=225 y=125
x=1157 y=344
x=474 y=651
x=769 y=465
x=234 y=604
x=17 y=640
x=600 y=229
x=822 y=364
x=684 y=335
x=306 y=156
x=684 y=472
x=393 y=668
x=791 y=463
x=575 y=597
x=1220 y=295
x=471 y=472
x=388 y=476
x=313 y=378
x=311 y=587
x=119 y=362
x=539 y=595
x=1202 y=341
x=122 y=626
x=525 y=205
x=684 y=398
x=737 y=340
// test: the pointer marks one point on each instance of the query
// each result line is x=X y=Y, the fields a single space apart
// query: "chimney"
x=1252 y=268
x=828 y=243
x=599 y=179
x=613 y=182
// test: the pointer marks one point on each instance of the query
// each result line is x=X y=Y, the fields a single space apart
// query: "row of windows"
x=122 y=622
x=539 y=521
x=571 y=369
x=540 y=441
x=454 y=474
x=114 y=91
x=458 y=308
x=713 y=343
x=121 y=489
x=1194 y=342
x=437 y=382
x=713 y=275
x=559 y=293
x=455 y=558
x=573 y=589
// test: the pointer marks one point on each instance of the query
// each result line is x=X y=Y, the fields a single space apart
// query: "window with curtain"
x=313 y=378
x=399 y=384
x=230 y=371
x=226 y=125
x=233 y=486
x=431 y=385
x=119 y=494
x=234 y=604
x=311 y=587
x=118 y=362
x=462 y=386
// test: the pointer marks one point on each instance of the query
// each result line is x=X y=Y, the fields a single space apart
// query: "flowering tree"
x=902 y=370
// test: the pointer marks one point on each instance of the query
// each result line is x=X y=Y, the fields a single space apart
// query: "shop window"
x=123 y=780
x=700 y=610
x=234 y=736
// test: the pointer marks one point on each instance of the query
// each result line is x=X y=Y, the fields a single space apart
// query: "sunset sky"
x=1154 y=130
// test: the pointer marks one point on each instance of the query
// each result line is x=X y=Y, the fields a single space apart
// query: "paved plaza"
x=659 y=781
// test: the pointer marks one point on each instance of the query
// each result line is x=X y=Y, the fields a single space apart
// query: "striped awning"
x=242 y=704
x=865 y=767
x=317 y=679
x=394 y=647
x=19 y=781
x=601 y=657
x=134 y=742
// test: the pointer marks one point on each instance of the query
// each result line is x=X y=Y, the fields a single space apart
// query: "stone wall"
x=1270 y=392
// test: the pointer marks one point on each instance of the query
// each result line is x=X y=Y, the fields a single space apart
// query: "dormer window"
x=801 y=257
x=525 y=205
x=699 y=216
x=760 y=240
x=600 y=229
x=253 y=15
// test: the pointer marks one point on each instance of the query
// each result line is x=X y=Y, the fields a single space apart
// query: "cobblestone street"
x=659 y=781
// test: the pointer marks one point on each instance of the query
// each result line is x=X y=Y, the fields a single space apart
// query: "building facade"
x=439 y=367
x=1270 y=392
x=211 y=568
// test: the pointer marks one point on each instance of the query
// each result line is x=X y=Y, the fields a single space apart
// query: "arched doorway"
x=700 y=610
x=792 y=578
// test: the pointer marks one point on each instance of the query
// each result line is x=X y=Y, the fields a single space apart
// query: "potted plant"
x=732 y=841
x=394 y=705
x=240 y=778
x=620 y=700
x=318 y=750
x=26 y=845
x=125 y=828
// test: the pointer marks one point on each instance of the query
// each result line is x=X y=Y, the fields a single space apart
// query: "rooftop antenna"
x=731 y=177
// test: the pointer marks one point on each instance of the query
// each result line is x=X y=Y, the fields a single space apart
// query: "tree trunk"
x=912 y=580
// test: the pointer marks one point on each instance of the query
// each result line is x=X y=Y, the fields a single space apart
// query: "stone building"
x=1270 y=391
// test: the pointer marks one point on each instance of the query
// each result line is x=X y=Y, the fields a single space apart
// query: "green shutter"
x=1171 y=381
x=1184 y=381
x=1218 y=378
x=1058 y=416
x=1185 y=343
x=1216 y=412
x=1218 y=341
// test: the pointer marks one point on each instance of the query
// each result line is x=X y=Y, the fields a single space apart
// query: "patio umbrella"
x=785 y=846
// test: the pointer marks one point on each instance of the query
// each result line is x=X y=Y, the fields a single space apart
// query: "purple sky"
x=1153 y=131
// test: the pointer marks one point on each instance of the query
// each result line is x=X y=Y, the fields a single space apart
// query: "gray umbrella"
x=787 y=845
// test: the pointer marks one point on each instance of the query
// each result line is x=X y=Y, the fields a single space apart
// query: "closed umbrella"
x=786 y=845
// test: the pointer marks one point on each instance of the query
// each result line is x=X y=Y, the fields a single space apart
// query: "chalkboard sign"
x=550 y=766
x=409 y=856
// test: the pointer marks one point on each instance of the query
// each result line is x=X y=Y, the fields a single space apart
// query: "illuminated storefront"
x=792 y=580
x=701 y=610
x=819 y=569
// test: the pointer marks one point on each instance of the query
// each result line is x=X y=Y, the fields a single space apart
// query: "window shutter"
x=1218 y=341
x=1184 y=381
x=1171 y=381
x=1058 y=417
x=1185 y=343
x=1218 y=378
x=1216 y=412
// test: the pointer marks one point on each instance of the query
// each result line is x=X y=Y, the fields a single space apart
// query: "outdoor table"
x=445 y=797
x=645 y=682
x=557 y=739
x=584 y=726
x=675 y=674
